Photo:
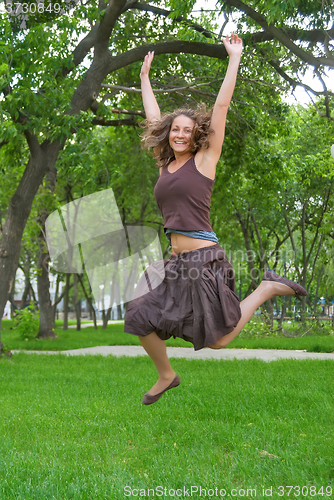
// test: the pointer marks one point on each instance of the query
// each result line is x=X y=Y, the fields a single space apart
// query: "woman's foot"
x=298 y=290
x=159 y=388
x=162 y=383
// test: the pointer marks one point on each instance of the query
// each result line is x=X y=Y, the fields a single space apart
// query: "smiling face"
x=180 y=135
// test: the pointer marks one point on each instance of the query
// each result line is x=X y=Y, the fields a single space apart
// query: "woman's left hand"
x=233 y=45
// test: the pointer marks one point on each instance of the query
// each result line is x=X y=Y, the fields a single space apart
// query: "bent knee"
x=220 y=344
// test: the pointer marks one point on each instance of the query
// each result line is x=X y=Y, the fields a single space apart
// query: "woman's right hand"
x=145 y=69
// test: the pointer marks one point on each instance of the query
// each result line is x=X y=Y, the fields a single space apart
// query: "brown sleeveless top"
x=184 y=198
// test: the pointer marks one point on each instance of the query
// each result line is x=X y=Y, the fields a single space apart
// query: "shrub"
x=28 y=323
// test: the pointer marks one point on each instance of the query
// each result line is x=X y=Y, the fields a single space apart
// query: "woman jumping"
x=196 y=300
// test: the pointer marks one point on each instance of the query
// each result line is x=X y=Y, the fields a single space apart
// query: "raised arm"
x=151 y=107
x=210 y=157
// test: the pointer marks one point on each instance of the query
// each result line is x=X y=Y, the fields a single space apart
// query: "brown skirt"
x=195 y=300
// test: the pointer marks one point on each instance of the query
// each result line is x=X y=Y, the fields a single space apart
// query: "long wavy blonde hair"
x=156 y=134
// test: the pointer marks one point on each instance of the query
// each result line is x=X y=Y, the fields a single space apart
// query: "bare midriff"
x=182 y=243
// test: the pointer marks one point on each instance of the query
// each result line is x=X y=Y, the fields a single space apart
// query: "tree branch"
x=114 y=123
x=280 y=35
x=130 y=112
x=113 y=11
x=259 y=239
x=323 y=211
x=327 y=114
x=162 y=12
x=296 y=83
x=62 y=295
x=245 y=232
x=290 y=231
x=105 y=63
x=158 y=91
x=317 y=35
x=82 y=50
x=33 y=143
x=170 y=47
x=315 y=260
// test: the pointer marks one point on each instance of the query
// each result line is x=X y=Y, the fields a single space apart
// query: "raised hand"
x=233 y=45
x=145 y=69
x=151 y=106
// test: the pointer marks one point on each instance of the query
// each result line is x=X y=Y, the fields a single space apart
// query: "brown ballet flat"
x=271 y=276
x=148 y=399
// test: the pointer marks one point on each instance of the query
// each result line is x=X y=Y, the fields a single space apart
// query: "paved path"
x=189 y=353
x=98 y=323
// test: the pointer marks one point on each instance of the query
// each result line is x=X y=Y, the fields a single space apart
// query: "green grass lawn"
x=114 y=335
x=75 y=429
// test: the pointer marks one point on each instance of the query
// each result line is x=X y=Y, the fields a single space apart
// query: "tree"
x=46 y=97
x=294 y=36
x=278 y=187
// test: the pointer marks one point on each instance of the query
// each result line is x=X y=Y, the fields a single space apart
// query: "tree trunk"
x=26 y=291
x=119 y=312
x=283 y=311
x=249 y=251
x=89 y=301
x=43 y=282
x=54 y=306
x=32 y=294
x=263 y=260
x=106 y=317
x=92 y=314
x=270 y=313
x=317 y=292
x=42 y=157
x=45 y=305
x=66 y=299
x=76 y=303
x=61 y=296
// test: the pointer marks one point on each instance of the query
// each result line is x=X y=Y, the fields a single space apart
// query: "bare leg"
x=156 y=349
x=266 y=290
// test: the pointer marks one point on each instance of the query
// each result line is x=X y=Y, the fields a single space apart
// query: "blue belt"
x=202 y=235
